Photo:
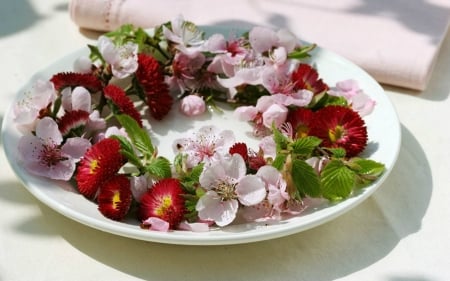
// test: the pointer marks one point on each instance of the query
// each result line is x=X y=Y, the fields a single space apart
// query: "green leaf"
x=305 y=178
x=281 y=140
x=95 y=54
x=338 y=152
x=302 y=52
x=122 y=34
x=305 y=146
x=139 y=136
x=279 y=161
x=367 y=170
x=126 y=148
x=159 y=167
x=368 y=167
x=337 y=180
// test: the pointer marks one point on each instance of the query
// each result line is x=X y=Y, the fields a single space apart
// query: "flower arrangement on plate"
x=92 y=127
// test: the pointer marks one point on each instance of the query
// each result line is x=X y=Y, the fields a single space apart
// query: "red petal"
x=165 y=201
x=122 y=101
x=114 y=198
x=72 y=79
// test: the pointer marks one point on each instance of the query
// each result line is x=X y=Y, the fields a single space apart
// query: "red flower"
x=306 y=77
x=241 y=149
x=151 y=77
x=114 y=197
x=122 y=101
x=300 y=119
x=165 y=201
x=72 y=79
x=99 y=163
x=340 y=126
x=72 y=121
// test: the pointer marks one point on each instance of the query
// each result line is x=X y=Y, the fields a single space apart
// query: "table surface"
x=400 y=233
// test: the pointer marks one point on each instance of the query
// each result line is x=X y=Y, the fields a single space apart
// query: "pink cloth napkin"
x=396 y=41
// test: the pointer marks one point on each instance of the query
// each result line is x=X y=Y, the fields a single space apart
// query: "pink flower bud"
x=192 y=105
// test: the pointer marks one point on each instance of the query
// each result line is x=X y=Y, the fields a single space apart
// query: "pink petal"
x=275 y=115
x=250 y=190
x=157 y=224
x=262 y=39
x=76 y=147
x=48 y=131
x=81 y=99
x=246 y=113
x=211 y=207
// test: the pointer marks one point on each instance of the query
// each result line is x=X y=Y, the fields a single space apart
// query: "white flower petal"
x=210 y=207
x=47 y=130
x=251 y=190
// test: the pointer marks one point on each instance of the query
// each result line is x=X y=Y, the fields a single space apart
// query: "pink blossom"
x=123 y=59
x=266 y=113
x=350 y=90
x=77 y=99
x=229 y=54
x=276 y=187
x=156 y=224
x=183 y=32
x=82 y=65
x=39 y=97
x=227 y=185
x=263 y=39
x=186 y=68
x=43 y=154
x=207 y=145
x=192 y=105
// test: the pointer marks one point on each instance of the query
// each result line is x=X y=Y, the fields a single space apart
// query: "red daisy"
x=73 y=121
x=300 y=120
x=151 y=77
x=122 y=101
x=165 y=201
x=306 y=77
x=99 y=163
x=72 y=79
x=340 y=126
x=114 y=197
x=241 y=149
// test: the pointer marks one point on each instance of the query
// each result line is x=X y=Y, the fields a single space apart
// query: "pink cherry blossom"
x=156 y=224
x=207 y=145
x=227 y=185
x=43 y=154
x=183 y=32
x=350 y=90
x=192 y=105
x=263 y=39
x=38 y=98
x=123 y=59
x=77 y=99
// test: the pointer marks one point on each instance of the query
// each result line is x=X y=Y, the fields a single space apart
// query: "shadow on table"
x=345 y=245
x=16 y=15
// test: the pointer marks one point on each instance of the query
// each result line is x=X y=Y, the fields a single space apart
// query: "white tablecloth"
x=400 y=233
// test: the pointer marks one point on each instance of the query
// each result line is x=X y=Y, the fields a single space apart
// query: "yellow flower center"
x=336 y=134
x=93 y=166
x=166 y=202
x=116 y=200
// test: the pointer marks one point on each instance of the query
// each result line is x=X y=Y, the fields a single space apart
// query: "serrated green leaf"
x=305 y=146
x=279 y=161
x=368 y=167
x=127 y=150
x=139 y=136
x=95 y=54
x=159 y=167
x=305 y=178
x=337 y=152
x=337 y=180
x=280 y=140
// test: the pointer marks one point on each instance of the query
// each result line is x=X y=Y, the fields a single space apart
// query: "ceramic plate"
x=384 y=142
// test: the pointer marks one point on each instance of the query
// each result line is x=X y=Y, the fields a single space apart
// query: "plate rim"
x=190 y=238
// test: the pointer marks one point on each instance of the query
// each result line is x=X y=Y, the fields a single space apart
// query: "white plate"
x=384 y=143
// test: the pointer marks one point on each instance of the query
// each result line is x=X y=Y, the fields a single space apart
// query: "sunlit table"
x=400 y=233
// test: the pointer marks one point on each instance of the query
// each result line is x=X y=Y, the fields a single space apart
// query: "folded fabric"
x=396 y=41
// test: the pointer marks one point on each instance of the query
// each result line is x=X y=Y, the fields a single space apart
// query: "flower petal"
x=211 y=207
x=250 y=190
